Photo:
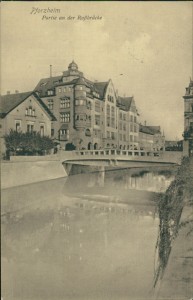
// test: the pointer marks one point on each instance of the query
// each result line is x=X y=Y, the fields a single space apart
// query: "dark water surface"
x=89 y=236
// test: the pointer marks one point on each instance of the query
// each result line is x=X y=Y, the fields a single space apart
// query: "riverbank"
x=25 y=170
x=174 y=276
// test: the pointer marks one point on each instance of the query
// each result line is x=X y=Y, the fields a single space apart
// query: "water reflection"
x=79 y=241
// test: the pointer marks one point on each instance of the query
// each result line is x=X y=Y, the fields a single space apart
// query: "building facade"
x=151 y=138
x=25 y=112
x=90 y=115
x=188 y=121
x=146 y=138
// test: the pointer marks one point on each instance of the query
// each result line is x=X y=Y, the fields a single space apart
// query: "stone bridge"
x=118 y=158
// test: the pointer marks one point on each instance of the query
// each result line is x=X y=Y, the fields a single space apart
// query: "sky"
x=144 y=47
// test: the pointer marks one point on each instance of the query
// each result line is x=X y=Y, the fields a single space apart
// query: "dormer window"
x=50 y=92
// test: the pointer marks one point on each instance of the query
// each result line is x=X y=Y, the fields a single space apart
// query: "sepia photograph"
x=96 y=123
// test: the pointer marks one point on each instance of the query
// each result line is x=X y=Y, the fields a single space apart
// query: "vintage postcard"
x=96 y=150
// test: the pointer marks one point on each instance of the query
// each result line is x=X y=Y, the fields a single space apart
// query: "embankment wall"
x=20 y=171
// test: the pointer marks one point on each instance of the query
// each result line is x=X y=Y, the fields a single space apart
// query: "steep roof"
x=11 y=101
x=155 y=129
x=145 y=129
x=101 y=88
x=124 y=102
x=46 y=84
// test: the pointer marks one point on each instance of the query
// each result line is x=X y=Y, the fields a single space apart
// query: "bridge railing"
x=110 y=152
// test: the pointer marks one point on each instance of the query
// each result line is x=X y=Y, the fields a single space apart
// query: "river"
x=88 y=236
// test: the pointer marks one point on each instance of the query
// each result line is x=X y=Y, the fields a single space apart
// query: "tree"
x=28 y=143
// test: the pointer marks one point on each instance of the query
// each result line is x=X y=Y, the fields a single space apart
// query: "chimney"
x=8 y=93
x=16 y=91
x=50 y=71
x=145 y=123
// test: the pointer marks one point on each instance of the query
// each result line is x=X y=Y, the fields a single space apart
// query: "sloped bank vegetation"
x=178 y=195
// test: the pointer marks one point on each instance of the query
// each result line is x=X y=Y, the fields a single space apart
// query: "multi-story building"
x=188 y=120
x=24 y=112
x=89 y=114
x=128 y=127
x=151 y=138
x=158 y=138
x=146 y=138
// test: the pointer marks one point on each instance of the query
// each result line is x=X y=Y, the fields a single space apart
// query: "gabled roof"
x=145 y=129
x=101 y=88
x=11 y=101
x=124 y=103
x=46 y=84
x=155 y=129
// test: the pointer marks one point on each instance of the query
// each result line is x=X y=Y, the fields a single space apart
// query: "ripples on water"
x=86 y=238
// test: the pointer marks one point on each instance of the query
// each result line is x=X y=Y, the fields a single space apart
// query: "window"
x=52 y=132
x=131 y=127
x=131 y=138
x=135 y=128
x=65 y=103
x=50 y=103
x=112 y=111
x=120 y=116
x=42 y=130
x=97 y=106
x=64 y=132
x=30 y=112
x=50 y=92
x=80 y=102
x=124 y=117
x=30 y=127
x=124 y=127
x=97 y=120
x=81 y=117
x=108 y=109
x=59 y=90
x=113 y=122
x=18 y=125
x=88 y=105
x=65 y=117
x=113 y=135
x=108 y=134
x=65 y=89
x=135 y=119
x=131 y=119
x=108 y=121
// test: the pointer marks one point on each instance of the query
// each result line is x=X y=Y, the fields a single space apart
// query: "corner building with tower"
x=90 y=115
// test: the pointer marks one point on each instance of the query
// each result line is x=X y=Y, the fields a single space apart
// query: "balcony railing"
x=116 y=152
